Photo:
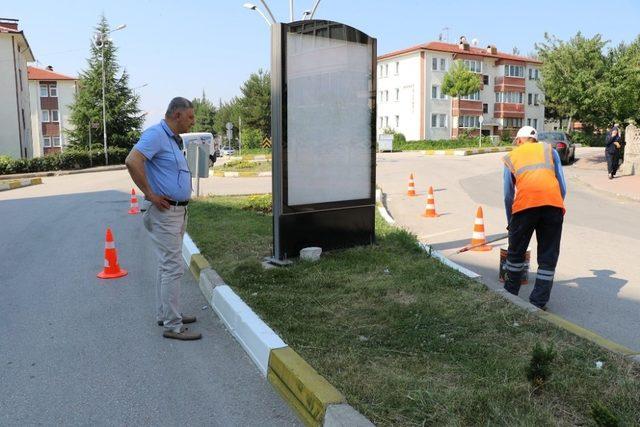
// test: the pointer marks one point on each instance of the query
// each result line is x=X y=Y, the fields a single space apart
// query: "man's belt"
x=174 y=203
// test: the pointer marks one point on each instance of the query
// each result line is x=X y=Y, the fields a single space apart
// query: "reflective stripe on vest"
x=536 y=183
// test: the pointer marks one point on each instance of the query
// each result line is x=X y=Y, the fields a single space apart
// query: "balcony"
x=505 y=110
x=509 y=84
x=466 y=108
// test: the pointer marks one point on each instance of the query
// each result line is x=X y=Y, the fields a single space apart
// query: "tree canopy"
x=205 y=114
x=459 y=81
x=123 y=117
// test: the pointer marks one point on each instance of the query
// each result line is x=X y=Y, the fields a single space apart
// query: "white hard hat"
x=527 y=132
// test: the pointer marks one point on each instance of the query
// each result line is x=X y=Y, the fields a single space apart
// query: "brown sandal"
x=185 y=335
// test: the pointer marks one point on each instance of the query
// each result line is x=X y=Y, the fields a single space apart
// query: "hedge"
x=67 y=160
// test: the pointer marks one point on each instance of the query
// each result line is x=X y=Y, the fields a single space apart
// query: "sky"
x=182 y=48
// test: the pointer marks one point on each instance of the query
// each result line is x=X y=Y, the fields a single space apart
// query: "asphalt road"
x=77 y=350
x=597 y=282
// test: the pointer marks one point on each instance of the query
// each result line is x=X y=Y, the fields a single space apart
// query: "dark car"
x=561 y=142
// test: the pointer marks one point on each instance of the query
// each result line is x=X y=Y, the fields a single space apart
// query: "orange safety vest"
x=536 y=183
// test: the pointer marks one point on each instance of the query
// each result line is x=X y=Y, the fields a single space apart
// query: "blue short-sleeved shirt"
x=166 y=167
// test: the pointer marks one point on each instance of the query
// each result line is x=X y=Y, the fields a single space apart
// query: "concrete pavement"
x=598 y=278
x=77 y=350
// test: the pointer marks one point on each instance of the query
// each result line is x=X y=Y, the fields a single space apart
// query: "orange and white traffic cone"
x=411 y=191
x=478 y=238
x=430 y=211
x=134 y=209
x=111 y=268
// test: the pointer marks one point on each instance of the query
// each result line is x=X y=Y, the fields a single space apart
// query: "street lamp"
x=313 y=11
x=252 y=6
x=100 y=40
x=305 y=14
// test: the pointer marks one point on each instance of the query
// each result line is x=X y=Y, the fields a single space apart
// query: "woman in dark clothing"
x=612 y=151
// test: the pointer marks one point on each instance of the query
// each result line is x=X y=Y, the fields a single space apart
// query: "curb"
x=10 y=185
x=465 y=152
x=255 y=157
x=560 y=322
x=240 y=174
x=311 y=396
x=620 y=195
x=64 y=172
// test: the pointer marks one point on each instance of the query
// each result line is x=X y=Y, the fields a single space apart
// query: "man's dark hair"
x=178 y=103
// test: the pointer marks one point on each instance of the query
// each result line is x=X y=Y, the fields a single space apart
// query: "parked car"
x=561 y=142
x=227 y=151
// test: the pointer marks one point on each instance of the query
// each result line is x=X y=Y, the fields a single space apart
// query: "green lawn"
x=406 y=339
x=244 y=166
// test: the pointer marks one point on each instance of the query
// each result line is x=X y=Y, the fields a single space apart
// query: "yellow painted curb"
x=312 y=392
x=237 y=174
x=198 y=263
x=586 y=333
x=36 y=181
x=14 y=184
x=293 y=402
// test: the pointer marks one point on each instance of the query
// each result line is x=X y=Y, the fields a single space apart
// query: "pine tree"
x=205 y=114
x=255 y=104
x=123 y=117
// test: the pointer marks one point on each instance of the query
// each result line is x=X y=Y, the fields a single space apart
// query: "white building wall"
x=36 y=127
x=9 y=132
x=24 y=104
x=532 y=111
x=437 y=105
x=66 y=94
x=407 y=84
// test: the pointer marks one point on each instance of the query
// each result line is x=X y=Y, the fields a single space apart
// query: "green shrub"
x=251 y=138
x=539 y=369
x=587 y=139
x=443 y=144
x=239 y=164
x=69 y=159
x=259 y=203
x=398 y=138
x=603 y=416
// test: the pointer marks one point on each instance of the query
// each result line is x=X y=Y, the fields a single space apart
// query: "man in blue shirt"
x=159 y=169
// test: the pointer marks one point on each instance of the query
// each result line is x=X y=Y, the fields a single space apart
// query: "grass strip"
x=407 y=340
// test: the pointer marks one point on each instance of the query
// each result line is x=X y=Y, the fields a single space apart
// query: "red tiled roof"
x=40 y=74
x=7 y=30
x=453 y=48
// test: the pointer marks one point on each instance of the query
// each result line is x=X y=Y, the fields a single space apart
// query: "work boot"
x=184 y=335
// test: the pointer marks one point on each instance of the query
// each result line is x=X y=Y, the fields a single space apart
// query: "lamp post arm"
x=313 y=11
x=264 y=3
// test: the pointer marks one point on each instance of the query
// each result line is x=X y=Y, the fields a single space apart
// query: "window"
x=514 y=71
x=46 y=141
x=535 y=99
x=386 y=121
x=56 y=141
x=468 y=122
x=380 y=71
x=53 y=91
x=510 y=97
x=475 y=96
x=386 y=96
x=529 y=97
x=381 y=122
x=397 y=68
x=24 y=123
x=512 y=123
x=55 y=116
x=436 y=93
x=443 y=64
x=397 y=121
x=436 y=61
x=434 y=64
x=534 y=74
x=485 y=108
x=473 y=65
x=20 y=77
x=397 y=94
x=438 y=120
x=485 y=79
x=44 y=92
x=528 y=122
x=45 y=116
x=535 y=123
x=386 y=70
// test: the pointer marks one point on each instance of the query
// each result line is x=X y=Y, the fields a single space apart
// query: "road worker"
x=534 y=191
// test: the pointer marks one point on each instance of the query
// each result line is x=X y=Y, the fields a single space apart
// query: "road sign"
x=266 y=142
x=481 y=119
x=229 y=125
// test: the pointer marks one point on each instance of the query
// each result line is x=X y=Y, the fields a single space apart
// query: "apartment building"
x=51 y=95
x=410 y=98
x=15 y=126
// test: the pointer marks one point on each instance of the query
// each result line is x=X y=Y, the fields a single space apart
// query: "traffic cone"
x=111 y=268
x=430 y=211
x=412 y=187
x=478 y=237
x=134 y=209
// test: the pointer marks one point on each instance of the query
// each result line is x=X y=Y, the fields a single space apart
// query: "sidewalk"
x=591 y=170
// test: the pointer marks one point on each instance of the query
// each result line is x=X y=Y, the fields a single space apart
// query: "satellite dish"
x=474 y=42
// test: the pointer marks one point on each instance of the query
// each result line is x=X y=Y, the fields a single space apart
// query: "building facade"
x=15 y=126
x=51 y=95
x=410 y=98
